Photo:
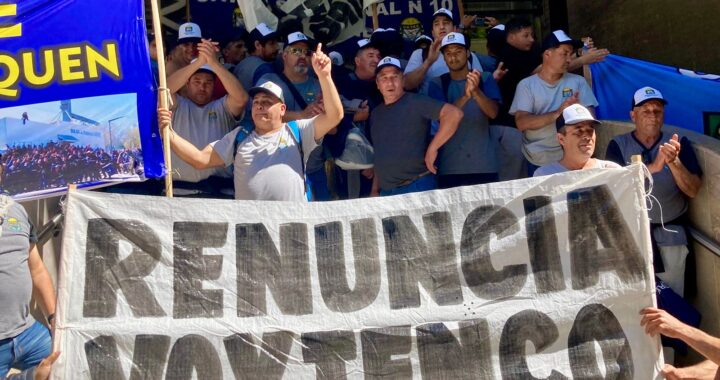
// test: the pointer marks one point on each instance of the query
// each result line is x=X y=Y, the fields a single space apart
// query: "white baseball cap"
x=269 y=88
x=646 y=94
x=189 y=32
x=443 y=12
x=574 y=114
x=388 y=61
x=453 y=39
x=296 y=37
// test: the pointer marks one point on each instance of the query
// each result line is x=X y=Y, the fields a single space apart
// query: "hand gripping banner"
x=540 y=277
x=76 y=96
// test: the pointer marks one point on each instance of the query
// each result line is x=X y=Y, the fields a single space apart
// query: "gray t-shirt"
x=557 y=167
x=534 y=95
x=268 y=167
x=200 y=126
x=245 y=70
x=401 y=133
x=470 y=150
x=310 y=91
x=15 y=280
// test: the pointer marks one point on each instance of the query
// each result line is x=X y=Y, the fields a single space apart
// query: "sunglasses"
x=300 y=52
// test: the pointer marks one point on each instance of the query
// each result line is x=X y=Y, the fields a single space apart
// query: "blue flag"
x=77 y=96
x=693 y=98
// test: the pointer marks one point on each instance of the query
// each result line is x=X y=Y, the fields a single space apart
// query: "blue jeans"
x=25 y=350
x=425 y=183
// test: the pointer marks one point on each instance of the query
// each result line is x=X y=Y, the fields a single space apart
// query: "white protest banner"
x=540 y=277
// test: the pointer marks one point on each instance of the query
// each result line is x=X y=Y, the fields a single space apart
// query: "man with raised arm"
x=269 y=161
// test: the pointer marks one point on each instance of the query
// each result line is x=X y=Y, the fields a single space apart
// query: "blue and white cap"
x=189 y=32
x=574 y=114
x=296 y=37
x=388 y=61
x=646 y=94
x=453 y=39
x=443 y=12
x=269 y=88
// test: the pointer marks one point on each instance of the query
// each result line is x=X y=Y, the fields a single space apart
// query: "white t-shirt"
x=556 y=167
x=534 y=95
x=200 y=125
x=268 y=167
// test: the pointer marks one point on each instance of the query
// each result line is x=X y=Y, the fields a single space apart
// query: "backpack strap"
x=243 y=133
x=297 y=137
x=294 y=91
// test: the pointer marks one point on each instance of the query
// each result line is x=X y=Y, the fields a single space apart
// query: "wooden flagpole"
x=163 y=93
x=375 y=19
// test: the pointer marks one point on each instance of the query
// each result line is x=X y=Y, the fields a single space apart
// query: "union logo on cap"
x=188 y=28
x=451 y=37
x=649 y=91
x=387 y=60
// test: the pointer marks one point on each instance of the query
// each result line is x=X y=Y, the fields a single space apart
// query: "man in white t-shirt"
x=576 y=135
x=269 y=161
x=418 y=69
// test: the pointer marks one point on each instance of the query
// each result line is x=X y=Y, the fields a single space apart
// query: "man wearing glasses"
x=303 y=99
x=676 y=177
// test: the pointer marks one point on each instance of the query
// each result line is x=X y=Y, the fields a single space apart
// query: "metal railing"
x=705 y=241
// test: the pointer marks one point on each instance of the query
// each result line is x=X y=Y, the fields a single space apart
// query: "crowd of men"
x=33 y=167
x=274 y=117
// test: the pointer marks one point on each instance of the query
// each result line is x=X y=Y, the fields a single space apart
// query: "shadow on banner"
x=692 y=96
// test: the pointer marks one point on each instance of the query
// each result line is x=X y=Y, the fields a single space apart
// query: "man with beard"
x=576 y=135
x=303 y=99
x=189 y=35
x=418 y=69
x=262 y=48
x=470 y=156
x=203 y=120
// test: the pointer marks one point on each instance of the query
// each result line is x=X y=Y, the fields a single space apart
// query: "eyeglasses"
x=300 y=52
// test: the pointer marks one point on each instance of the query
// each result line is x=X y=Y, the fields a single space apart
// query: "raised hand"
x=208 y=52
x=321 y=63
x=434 y=51
x=499 y=72
x=473 y=82
x=670 y=150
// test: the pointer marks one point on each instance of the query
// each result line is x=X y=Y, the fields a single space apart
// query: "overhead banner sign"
x=339 y=23
x=692 y=96
x=540 y=277
x=76 y=96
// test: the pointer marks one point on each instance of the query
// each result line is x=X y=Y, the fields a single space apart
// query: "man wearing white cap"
x=303 y=100
x=269 y=161
x=417 y=68
x=400 y=128
x=541 y=98
x=189 y=36
x=676 y=177
x=470 y=156
x=202 y=120
x=576 y=135
x=262 y=47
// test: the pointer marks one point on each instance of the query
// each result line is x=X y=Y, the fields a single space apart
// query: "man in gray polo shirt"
x=541 y=98
x=203 y=120
x=24 y=342
x=405 y=153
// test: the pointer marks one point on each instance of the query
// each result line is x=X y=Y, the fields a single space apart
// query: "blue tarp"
x=693 y=98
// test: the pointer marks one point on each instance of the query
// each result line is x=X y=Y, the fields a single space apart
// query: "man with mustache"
x=576 y=135
x=202 y=120
x=303 y=99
